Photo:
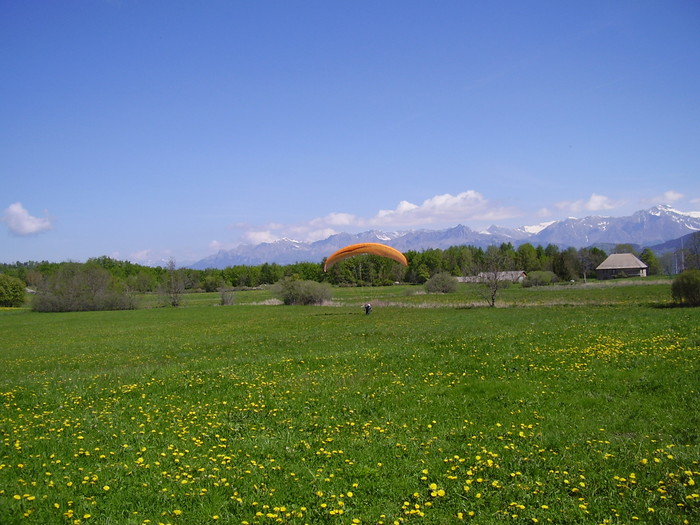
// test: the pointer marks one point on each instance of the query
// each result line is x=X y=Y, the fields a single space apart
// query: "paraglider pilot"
x=368 y=308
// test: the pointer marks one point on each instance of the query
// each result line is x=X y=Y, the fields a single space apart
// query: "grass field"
x=566 y=405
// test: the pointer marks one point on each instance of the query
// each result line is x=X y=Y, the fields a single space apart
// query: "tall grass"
x=282 y=414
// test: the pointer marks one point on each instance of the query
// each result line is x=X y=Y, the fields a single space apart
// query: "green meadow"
x=567 y=405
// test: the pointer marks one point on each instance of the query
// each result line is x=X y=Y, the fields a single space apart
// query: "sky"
x=155 y=130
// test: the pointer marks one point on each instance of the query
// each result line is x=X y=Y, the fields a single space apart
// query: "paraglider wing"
x=365 y=247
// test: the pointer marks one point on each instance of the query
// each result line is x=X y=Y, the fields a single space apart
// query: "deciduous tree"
x=11 y=291
x=492 y=271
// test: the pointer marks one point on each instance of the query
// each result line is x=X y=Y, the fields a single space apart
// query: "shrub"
x=294 y=291
x=227 y=297
x=11 y=291
x=540 y=278
x=76 y=287
x=441 y=282
x=685 y=288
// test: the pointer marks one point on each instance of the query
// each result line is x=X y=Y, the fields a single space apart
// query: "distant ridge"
x=646 y=228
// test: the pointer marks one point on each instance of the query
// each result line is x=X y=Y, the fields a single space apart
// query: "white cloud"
x=143 y=256
x=594 y=203
x=334 y=219
x=151 y=257
x=442 y=209
x=318 y=235
x=258 y=237
x=667 y=197
x=20 y=222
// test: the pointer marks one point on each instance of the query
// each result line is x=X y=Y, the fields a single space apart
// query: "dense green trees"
x=649 y=258
x=589 y=259
x=11 y=291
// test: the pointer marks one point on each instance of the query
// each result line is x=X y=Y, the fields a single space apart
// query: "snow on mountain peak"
x=537 y=228
x=660 y=209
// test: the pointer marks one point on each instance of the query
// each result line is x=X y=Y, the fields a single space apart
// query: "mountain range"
x=645 y=228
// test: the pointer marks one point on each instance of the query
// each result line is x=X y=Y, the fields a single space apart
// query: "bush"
x=76 y=287
x=539 y=278
x=294 y=291
x=11 y=291
x=685 y=288
x=441 y=282
x=227 y=297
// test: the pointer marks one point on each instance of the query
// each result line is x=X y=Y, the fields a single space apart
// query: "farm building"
x=621 y=265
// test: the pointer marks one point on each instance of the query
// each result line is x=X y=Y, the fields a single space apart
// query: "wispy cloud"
x=594 y=203
x=20 y=222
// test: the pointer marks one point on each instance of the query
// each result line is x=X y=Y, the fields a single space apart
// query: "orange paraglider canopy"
x=374 y=248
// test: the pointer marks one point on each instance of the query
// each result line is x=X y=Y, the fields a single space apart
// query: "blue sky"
x=150 y=130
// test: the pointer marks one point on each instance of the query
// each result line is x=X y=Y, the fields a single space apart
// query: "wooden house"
x=621 y=265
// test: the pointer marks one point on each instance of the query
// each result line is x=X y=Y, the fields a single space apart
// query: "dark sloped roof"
x=620 y=261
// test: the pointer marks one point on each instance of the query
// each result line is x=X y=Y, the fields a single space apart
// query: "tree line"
x=106 y=283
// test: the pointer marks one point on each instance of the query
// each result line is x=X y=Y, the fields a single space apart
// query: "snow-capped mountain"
x=644 y=228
